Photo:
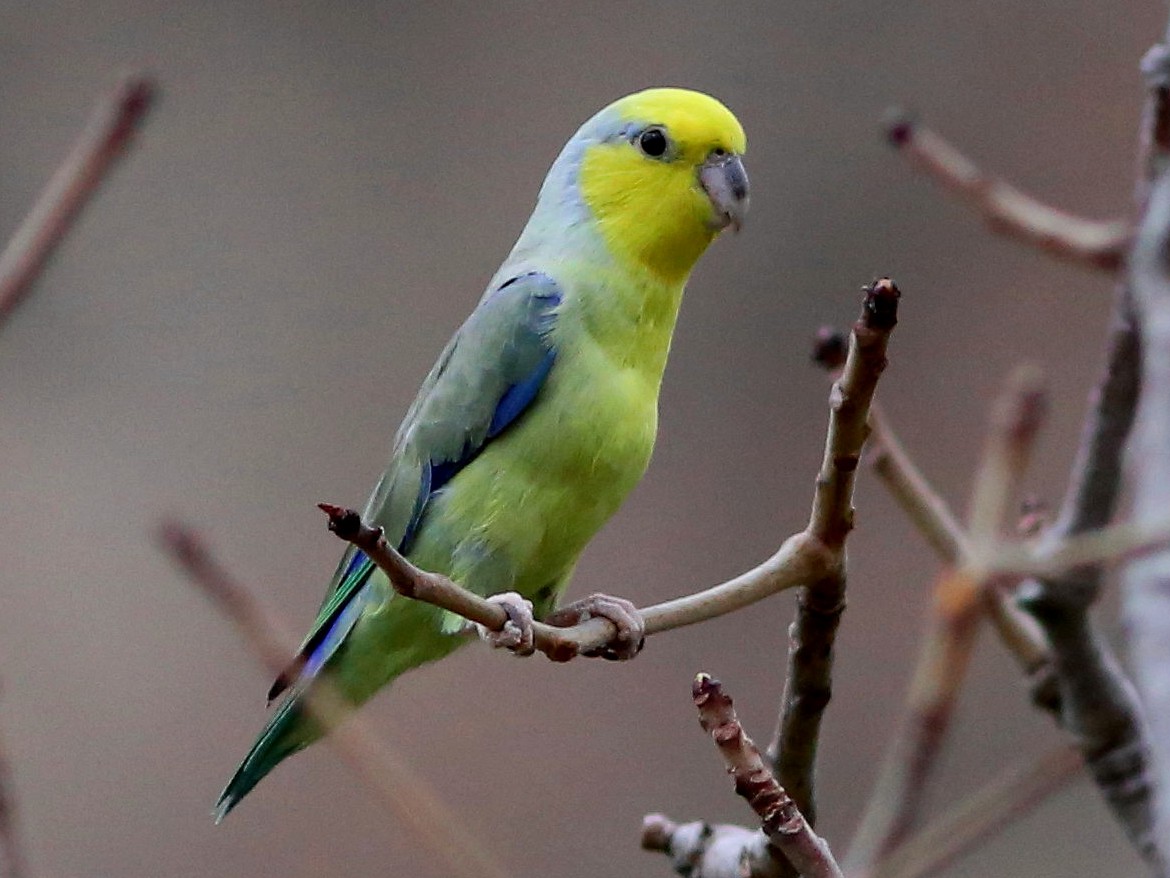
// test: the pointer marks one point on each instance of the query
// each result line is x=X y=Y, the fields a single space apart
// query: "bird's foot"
x=516 y=635
x=626 y=618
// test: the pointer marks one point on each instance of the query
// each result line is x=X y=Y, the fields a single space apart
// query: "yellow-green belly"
x=520 y=514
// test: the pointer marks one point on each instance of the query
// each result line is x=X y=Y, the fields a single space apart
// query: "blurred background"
x=240 y=319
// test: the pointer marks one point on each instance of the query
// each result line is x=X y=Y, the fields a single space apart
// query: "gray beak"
x=725 y=181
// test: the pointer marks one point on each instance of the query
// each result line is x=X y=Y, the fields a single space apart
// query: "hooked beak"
x=726 y=184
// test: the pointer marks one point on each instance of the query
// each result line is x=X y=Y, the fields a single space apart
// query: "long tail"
x=287 y=732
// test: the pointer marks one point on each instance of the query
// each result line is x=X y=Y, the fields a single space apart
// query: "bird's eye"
x=718 y=152
x=652 y=142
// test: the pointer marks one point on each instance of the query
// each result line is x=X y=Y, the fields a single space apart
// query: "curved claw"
x=517 y=634
x=626 y=618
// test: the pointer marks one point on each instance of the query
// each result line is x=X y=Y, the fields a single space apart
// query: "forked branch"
x=1006 y=210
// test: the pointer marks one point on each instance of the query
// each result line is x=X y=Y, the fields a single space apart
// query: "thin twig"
x=1007 y=210
x=946 y=652
x=849 y=401
x=111 y=127
x=387 y=774
x=982 y=814
x=917 y=497
x=1015 y=419
x=781 y=820
x=1054 y=558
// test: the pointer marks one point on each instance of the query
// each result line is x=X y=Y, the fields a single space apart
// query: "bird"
x=540 y=415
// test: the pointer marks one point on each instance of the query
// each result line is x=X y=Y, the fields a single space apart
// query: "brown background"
x=237 y=325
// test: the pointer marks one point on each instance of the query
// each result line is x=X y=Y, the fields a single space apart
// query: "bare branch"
x=1099 y=705
x=1147 y=598
x=938 y=524
x=849 y=401
x=1006 y=210
x=1015 y=419
x=917 y=497
x=111 y=127
x=959 y=599
x=781 y=820
x=394 y=783
x=981 y=815
x=1056 y=558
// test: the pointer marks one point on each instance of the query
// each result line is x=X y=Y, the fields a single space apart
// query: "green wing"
x=489 y=373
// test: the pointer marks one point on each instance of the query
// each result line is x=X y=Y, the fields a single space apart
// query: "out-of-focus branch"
x=1147 y=596
x=950 y=638
x=387 y=775
x=12 y=859
x=706 y=850
x=917 y=497
x=933 y=518
x=1099 y=705
x=111 y=127
x=1015 y=420
x=981 y=815
x=1005 y=209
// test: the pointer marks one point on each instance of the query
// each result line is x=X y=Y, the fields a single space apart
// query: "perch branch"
x=809 y=556
x=1006 y=210
x=111 y=127
x=981 y=815
x=394 y=783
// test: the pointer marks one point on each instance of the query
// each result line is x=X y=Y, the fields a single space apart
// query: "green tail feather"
x=285 y=734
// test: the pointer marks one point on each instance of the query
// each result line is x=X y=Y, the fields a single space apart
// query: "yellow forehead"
x=691 y=117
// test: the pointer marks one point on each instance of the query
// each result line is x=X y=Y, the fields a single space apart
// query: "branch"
x=1015 y=420
x=1147 y=598
x=950 y=639
x=1006 y=210
x=917 y=497
x=109 y=131
x=715 y=852
x=1099 y=705
x=400 y=790
x=808 y=678
x=979 y=816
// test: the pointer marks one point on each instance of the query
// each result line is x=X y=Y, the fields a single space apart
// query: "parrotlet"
x=541 y=413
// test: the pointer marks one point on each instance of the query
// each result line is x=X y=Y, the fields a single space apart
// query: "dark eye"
x=652 y=141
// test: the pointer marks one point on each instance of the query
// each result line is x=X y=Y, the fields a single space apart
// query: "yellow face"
x=669 y=179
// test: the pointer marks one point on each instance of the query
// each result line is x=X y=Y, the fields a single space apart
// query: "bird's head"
x=660 y=174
